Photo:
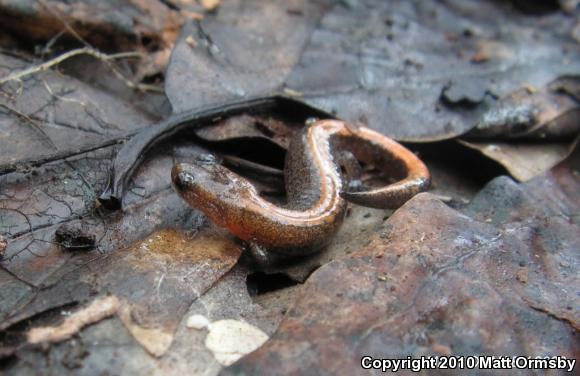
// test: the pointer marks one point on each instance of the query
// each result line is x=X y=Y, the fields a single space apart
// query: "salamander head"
x=208 y=186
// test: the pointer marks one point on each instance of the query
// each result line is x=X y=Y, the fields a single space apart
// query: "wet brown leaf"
x=268 y=128
x=223 y=63
x=122 y=24
x=382 y=63
x=541 y=121
x=529 y=113
x=47 y=112
x=160 y=277
x=523 y=160
x=486 y=275
x=434 y=281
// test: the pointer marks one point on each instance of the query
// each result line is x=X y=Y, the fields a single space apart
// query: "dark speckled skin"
x=316 y=198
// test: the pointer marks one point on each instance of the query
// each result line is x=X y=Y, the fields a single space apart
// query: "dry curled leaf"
x=210 y=5
x=230 y=340
x=523 y=160
x=546 y=113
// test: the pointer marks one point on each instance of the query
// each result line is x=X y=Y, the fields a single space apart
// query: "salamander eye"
x=186 y=177
x=209 y=159
x=311 y=120
x=181 y=178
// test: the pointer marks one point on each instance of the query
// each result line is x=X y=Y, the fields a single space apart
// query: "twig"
x=48 y=46
x=105 y=58
x=70 y=29
x=17 y=76
x=61 y=155
x=59 y=59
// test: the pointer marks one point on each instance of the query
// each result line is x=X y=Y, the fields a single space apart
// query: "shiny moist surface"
x=314 y=185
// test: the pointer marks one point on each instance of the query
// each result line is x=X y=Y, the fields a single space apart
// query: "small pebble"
x=197 y=322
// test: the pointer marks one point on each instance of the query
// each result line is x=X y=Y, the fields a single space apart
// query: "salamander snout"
x=181 y=176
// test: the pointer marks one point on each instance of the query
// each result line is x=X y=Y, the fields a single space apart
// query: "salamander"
x=316 y=191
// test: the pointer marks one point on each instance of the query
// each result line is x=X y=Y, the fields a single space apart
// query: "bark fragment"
x=98 y=310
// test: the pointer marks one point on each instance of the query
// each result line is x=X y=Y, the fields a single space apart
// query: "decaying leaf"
x=527 y=116
x=268 y=128
x=210 y=5
x=46 y=112
x=481 y=265
x=142 y=25
x=434 y=281
x=224 y=64
x=76 y=236
x=100 y=23
x=230 y=340
x=523 y=160
x=385 y=64
x=157 y=278
x=529 y=113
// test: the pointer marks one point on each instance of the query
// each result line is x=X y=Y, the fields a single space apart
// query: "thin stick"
x=105 y=58
x=61 y=155
x=65 y=23
x=59 y=59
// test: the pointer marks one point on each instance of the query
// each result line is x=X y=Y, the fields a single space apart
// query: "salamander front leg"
x=351 y=170
x=260 y=254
